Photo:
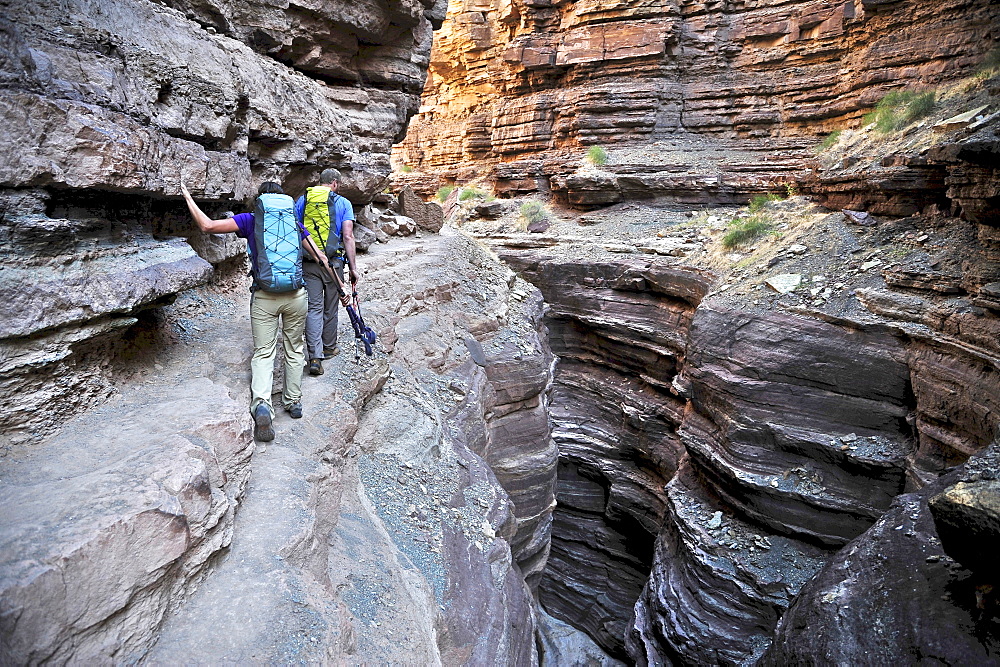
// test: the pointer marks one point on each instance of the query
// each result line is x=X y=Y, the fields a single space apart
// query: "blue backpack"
x=279 y=245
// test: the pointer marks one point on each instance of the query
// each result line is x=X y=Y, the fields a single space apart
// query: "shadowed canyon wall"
x=726 y=451
x=619 y=330
x=105 y=107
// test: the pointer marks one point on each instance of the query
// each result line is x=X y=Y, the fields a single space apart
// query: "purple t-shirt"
x=244 y=229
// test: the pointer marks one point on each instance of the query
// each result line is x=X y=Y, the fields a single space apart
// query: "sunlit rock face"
x=106 y=107
x=522 y=86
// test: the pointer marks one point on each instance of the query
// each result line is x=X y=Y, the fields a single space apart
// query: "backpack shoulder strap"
x=335 y=221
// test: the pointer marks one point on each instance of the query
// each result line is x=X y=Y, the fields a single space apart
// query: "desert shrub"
x=471 y=193
x=740 y=232
x=531 y=212
x=758 y=202
x=406 y=169
x=990 y=65
x=597 y=155
x=899 y=109
x=791 y=190
x=828 y=141
x=444 y=191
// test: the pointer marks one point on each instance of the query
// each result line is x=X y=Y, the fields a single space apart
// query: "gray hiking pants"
x=321 y=320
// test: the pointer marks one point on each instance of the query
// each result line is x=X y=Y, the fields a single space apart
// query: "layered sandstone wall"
x=105 y=107
x=520 y=87
x=619 y=330
x=715 y=452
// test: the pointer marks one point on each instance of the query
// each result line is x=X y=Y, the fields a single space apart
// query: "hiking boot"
x=315 y=367
x=262 y=423
x=331 y=351
x=294 y=410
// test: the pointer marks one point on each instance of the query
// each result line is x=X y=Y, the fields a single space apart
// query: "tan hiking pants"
x=266 y=309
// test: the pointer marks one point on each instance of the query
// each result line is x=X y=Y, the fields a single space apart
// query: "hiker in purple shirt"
x=269 y=311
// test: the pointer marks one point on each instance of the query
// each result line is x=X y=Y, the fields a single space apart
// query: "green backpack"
x=319 y=209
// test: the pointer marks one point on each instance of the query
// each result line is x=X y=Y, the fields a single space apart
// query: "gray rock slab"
x=784 y=282
x=106 y=522
x=429 y=216
x=33 y=299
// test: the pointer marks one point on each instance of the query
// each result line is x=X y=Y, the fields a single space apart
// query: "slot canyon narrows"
x=687 y=318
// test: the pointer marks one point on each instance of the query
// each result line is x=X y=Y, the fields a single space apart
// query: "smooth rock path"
x=152 y=529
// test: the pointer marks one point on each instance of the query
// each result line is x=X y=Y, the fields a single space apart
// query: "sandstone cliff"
x=519 y=90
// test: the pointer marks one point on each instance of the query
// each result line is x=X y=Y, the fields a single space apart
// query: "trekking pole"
x=363 y=334
x=341 y=292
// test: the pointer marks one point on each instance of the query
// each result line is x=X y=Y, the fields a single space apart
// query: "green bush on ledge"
x=899 y=109
x=597 y=155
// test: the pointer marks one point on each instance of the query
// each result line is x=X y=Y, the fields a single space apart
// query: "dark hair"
x=270 y=187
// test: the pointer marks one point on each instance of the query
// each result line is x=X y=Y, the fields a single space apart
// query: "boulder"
x=490 y=210
x=894 y=592
x=784 y=283
x=667 y=246
x=388 y=225
x=451 y=203
x=959 y=121
x=384 y=199
x=429 y=216
x=363 y=238
x=967 y=516
x=397 y=225
x=367 y=216
x=217 y=248
x=539 y=226
x=862 y=218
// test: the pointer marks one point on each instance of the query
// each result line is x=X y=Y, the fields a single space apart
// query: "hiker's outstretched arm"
x=205 y=223
x=348 y=233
